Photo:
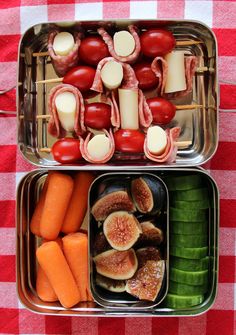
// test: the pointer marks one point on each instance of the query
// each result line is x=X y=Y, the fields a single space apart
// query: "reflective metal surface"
x=199 y=126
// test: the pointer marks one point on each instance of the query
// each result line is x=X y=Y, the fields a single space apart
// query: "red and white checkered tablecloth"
x=15 y=17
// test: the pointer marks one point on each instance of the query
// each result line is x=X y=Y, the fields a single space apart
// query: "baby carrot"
x=44 y=289
x=35 y=220
x=56 y=268
x=78 y=204
x=59 y=191
x=75 y=247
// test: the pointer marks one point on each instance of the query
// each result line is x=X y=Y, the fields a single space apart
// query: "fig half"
x=114 y=198
x=147 y=254
x=151 y=235
x=122 y=230
x=147 y=281
x=110 y=284
x=149 y=194
x=116 y=264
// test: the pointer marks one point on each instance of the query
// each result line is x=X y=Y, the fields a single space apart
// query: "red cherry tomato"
x=157 y=42
x=163 y=111
x=97 y=115
x=146 y=77
x=129 y=141
x=81 y=77
x=66 y=150
x=92 y=50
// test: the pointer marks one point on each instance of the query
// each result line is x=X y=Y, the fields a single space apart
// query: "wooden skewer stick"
x=48 y=81
x=178 y=43
x=181 y=144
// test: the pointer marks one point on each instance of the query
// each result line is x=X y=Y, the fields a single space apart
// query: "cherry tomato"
x=92 y=50
x=66 y=150
x=81 y=77
x=163 y=111
x=129 y=141
x=157 y=42
x=97 y=115
x=146 y=77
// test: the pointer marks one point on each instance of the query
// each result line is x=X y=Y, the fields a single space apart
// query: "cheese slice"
x=128 y=102
x=66 y=108
x=124 y=43
x=175 y=80
x=99 y=146
x=63 y=43
x=156 y=140
x=112 y=74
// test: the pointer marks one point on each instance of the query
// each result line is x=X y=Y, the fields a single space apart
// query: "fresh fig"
x=122 y=230
x=114 y=198
x=151 y=235
x=100 y=243
x=147 y=281
x=147 y=254
x=149 y=194
x=110 y=284
x=116 y=264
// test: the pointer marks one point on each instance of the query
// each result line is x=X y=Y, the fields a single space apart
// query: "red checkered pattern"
x=16 y=16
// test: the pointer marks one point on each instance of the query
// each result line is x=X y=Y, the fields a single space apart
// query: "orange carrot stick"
x=35 y=220
x=75 y=247
x=56 y=268
x=78 y=204
x=44 y=289
x=60 y=188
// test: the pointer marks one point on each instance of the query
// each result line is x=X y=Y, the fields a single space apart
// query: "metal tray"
x=27 y=195
x=199 y=126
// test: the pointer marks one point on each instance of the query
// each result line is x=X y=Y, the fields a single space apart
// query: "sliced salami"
x=109 y=41
x=145 y=114
x=54 y=126
x=159 y=67
x=97 y=85
x=169 y=155
x=62 y=64
x=86 y=155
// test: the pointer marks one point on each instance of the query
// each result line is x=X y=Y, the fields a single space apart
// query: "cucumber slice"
x=188 y=228
x=191 y=195
x=184 y=289
x=197 y=204
x=182 y=301
x=189 y=264
x=183 y=182
x=189 y=241
x=189 y=277
x=191 y=253
x=193 y=215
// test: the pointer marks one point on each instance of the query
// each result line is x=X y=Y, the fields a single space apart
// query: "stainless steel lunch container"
x=199 y=127
x=27 y=195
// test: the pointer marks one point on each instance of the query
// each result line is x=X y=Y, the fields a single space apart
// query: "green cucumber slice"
x=182 y=301
x=183 y=182
x=191 y=195
x=197 y=204
x=193 y=215
x=190 y=264
x=185 y=289
x=189 y=277
x=188 y=228
x=189 y=241
x=191 y=253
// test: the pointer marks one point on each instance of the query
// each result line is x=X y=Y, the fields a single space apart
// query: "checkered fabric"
x=15 y=17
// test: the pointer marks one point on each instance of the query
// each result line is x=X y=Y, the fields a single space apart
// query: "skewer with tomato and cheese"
x=63 y=49
x=124 y=46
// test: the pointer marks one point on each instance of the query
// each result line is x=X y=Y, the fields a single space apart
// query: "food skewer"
x=178 y=43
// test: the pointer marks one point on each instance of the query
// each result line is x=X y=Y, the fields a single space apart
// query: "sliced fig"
x=100 y=243
x=149 y=194
x=151 y=235
x=122 y=230
x=114 y=198
x=147 y=254
x=110 y=284
x=147 y=281
x=116 y=264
